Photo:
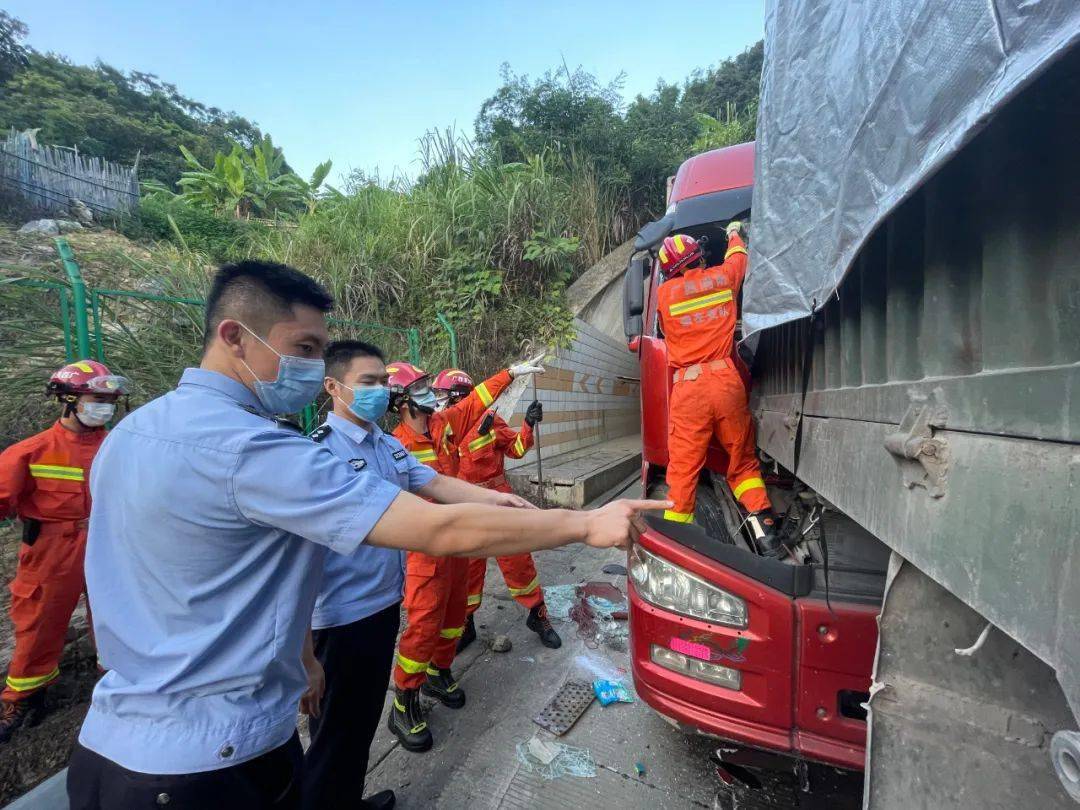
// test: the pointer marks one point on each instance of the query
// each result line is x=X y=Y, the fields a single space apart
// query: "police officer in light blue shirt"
x=207 y=540
x=357 y=612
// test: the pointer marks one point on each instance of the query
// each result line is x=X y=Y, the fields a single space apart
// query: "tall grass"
x=454 y=241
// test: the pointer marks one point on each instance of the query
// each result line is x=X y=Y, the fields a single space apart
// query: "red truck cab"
x=723 y=641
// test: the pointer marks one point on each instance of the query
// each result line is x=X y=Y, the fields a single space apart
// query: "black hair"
x=340 y=353
x=260 y=294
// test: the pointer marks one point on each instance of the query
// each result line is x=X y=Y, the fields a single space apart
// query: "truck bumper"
x=788 y=679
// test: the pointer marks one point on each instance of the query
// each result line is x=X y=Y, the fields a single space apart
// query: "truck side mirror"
x=634 y=296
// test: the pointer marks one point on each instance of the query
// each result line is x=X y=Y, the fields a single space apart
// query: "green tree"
x=109 y=114
x=13 y=54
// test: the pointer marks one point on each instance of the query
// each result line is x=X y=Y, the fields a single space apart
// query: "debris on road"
x=559 y=600
x=528 y=659
x=615 y=568
x=501 y=644
x=552 y=760
x=564 y=709
x=608 y=692
x=640 y=769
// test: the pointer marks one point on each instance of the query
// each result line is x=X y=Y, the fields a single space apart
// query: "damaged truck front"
x=914 y=306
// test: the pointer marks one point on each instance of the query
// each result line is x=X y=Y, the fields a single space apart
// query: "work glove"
x=735 y=226
x=530 y=366
x=534 y=414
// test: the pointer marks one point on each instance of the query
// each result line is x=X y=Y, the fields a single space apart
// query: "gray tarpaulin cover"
x=860 y=103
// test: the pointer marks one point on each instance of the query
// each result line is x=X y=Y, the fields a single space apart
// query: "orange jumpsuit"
x=435 y=586
x=698 y=313
x=481 y=462
x=46 y=478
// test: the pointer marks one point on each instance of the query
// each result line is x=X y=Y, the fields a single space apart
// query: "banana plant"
x=248 y=183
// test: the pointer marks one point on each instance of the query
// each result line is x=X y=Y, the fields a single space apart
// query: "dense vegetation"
x=560 y=169
x=109 y=114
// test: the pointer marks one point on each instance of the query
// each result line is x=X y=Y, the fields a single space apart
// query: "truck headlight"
x=672 y=588
x=701 y=670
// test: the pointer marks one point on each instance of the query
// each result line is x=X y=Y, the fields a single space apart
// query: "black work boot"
x=407 y=721
x=442 y=686
x=15 y=714
x=763 y=528
x=468 y=636
x=383 y=800
x=540 y=624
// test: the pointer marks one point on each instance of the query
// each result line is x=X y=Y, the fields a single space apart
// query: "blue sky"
x=360 y=82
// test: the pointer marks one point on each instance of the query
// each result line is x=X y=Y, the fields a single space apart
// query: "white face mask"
x=95 y=414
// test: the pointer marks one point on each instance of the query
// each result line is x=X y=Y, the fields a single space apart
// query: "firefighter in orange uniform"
x=434 y=586
x=481 y=455
x=45 y=481
x=698 y=313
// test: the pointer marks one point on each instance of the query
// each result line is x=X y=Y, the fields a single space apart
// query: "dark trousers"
x=268 y=782
x=357 y=659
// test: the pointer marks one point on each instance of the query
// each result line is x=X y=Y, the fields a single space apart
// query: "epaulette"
x=280 y=421
x=320 y=433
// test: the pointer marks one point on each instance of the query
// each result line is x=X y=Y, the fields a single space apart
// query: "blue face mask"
x=370 y=404
x=426 y=400
x=297 y=383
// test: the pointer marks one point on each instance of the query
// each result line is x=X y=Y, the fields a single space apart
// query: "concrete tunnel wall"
x=591 y=392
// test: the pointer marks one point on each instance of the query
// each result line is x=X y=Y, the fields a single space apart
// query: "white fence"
x=49 y=178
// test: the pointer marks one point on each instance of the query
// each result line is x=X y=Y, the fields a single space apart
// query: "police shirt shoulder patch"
x=358 y=463
x=320 y=433
x=400 y=454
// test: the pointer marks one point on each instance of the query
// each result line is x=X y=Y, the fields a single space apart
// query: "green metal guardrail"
x=83 y=320
x=78 y=291
x=442 y=319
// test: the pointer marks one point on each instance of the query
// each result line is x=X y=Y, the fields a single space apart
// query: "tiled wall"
x=590 y=393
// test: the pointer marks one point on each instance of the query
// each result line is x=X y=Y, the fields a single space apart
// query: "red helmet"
x=677 y=252
x=403 y=375
x=86 y=377
x=453 y=379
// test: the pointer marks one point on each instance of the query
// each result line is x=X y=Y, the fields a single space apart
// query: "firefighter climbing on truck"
x=482 y=453
x=435 y=587
x=44 y=480
x=698 y=313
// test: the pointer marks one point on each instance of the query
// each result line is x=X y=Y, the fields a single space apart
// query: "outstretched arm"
x=476 y=530
x=444 y=489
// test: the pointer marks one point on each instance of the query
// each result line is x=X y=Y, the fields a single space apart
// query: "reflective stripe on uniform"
x=55 y=471
x=424 y=456
x=26 y=684
x=483 y=441
x=446 y=434
x=475 y=599
x=519 y=446
x=399 y=706
x=749 y=483
x=532 y=586
x=410 y=666
x=678 y=517
x=732 y=251
x=702 y=301
x=484 y=394
x=452 y=632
